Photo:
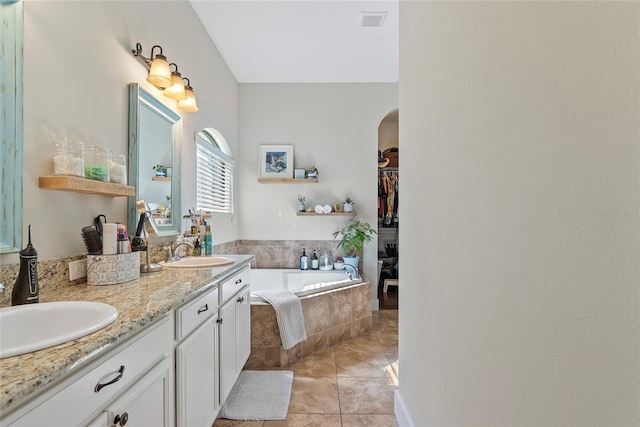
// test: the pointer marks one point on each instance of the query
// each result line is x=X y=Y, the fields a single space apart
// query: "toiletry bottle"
x=315 y=263
x=304 y=261
x=196 y=246
x=26 y=291
x=208 y=240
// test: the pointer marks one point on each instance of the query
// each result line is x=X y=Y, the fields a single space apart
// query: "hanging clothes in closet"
x=388 y=197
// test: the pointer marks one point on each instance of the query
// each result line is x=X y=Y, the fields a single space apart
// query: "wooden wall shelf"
x=287 y=180
x=161 y=178
x=328 y=214
x=88 y=186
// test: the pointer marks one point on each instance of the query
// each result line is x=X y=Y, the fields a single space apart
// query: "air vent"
x=373 y=19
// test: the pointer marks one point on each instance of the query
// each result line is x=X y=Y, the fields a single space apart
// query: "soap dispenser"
x=26 y=291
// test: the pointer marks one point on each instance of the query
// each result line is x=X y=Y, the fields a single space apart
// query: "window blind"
x=214 y=181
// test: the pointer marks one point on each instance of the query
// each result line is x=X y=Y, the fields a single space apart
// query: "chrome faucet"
x=173 y=254
x=351 y=271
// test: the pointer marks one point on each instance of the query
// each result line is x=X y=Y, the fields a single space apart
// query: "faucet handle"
x=169 y=252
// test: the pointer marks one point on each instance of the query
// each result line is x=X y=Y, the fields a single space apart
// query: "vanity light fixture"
x=188 y=104
x=171 y=83
x=176 y=91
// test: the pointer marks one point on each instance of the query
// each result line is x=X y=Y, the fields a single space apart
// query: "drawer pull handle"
x=219 y=320
x=240 y=299
x=238 y=281
x=203 y=309
x=115 y=380
x=122 y=420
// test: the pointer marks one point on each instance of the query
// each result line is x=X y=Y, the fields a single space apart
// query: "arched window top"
x=217 y=139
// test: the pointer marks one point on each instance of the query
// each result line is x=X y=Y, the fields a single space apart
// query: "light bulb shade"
x=188 y=104
x=177 y=90
x=160 y=73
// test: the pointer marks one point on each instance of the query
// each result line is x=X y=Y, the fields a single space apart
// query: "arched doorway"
x=388 y=216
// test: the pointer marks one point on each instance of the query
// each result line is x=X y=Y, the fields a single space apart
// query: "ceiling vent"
x=373 y=19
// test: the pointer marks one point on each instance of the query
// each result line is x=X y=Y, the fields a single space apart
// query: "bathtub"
x=335 y=309
x=300 y=282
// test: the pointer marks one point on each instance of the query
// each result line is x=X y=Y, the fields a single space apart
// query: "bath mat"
x=259 y=395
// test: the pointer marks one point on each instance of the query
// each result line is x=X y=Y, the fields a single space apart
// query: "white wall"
x=332 y=126
x=520 y=150
x=77 y=66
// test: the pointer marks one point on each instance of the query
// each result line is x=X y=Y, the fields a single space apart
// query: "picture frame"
x=337 y=207
x=275 y=161
x=299 y=173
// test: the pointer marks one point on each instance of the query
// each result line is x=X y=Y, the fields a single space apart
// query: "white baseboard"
x=400 y=411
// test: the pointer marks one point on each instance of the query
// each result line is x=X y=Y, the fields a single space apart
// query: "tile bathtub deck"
x=348 y=385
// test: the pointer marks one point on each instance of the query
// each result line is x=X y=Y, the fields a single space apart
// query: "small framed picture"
x=298 y=173
x=276 y=161
x=337 y=207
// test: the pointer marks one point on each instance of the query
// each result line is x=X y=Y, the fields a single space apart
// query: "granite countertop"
x=138 y=302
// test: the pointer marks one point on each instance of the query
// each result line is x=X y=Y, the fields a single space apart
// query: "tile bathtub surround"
x=285 y=253
x=348 y=385
x=330 y=318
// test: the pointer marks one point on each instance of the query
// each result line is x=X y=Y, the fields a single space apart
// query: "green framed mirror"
x=155 y=132
x=11 y=43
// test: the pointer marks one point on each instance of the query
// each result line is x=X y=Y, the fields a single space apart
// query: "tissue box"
x=112 y=269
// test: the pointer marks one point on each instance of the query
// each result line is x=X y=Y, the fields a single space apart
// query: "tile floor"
x=348 y=385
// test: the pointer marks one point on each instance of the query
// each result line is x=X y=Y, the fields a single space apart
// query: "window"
x=214 y=172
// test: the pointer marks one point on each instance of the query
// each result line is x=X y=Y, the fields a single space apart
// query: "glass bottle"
x=315 y=263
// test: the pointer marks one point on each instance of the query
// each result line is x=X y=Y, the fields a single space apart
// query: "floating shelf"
x=286 y=180
x=88 y=186
x=327 y=214
x=161 y=178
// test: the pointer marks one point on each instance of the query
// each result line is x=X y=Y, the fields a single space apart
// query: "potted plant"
x=160 y=170
x=312 y=172
x=348 y=205
x=354 y=235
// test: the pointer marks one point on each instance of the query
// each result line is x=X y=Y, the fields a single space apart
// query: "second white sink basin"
x=198 y=262
x=31 y=327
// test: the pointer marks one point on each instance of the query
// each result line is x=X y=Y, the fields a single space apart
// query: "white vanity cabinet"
x=235 y=329
x=146 y=404
x=197 y=378
x=135 y=377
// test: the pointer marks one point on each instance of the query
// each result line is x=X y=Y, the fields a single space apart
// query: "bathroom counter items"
x=138 y=302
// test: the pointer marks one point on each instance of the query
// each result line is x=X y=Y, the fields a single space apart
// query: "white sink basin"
x=198 y=262
x=31 y=327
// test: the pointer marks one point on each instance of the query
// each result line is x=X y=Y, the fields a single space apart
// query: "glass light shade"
x=188 y=104
x=160 y=73
x=177 y=90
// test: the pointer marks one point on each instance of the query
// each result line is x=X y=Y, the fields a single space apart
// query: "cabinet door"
x=243 y=332
x=228 y=373
x=148 y=402
x=197 y=377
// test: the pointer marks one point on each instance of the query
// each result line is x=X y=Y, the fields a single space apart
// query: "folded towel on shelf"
x=289 y=315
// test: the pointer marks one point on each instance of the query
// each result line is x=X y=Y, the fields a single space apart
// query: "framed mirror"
x=11 y=42
x=155 y=132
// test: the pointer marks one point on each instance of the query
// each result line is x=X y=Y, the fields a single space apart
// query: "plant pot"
x=348 y=207
x=352 y=260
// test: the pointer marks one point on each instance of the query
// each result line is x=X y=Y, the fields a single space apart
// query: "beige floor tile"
x=314 y=396
x=366 y=395
x=222 y=422
x=307 y=420
x=368 y=420
x=361 y=363
x=321 y=364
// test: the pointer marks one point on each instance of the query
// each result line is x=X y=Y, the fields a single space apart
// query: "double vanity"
x=171 y=357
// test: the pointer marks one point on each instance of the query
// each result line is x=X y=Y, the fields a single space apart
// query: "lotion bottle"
x=304 y=261
x=26 y=291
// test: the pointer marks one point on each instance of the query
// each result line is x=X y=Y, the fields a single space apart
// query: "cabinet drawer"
x=195 y=313
x=233 y=285
x=74 y=403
